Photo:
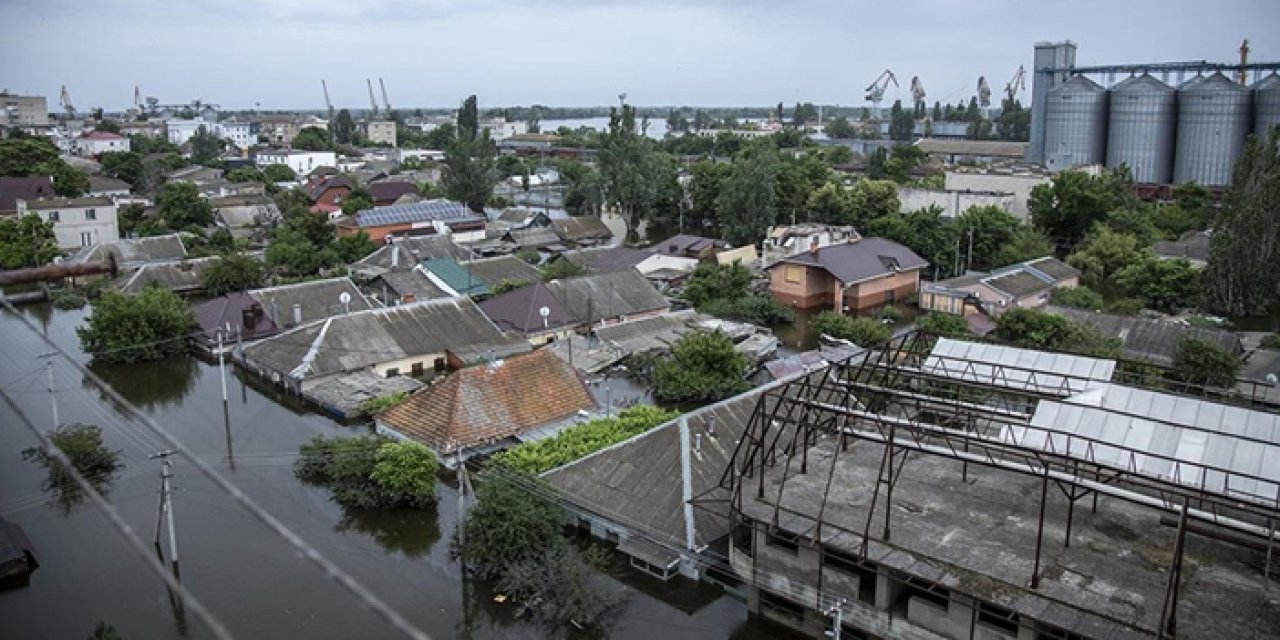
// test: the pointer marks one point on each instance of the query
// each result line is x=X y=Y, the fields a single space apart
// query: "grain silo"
x=1266 y=104
x=1214 y=119
x=1075 y=131
x=1142 y=128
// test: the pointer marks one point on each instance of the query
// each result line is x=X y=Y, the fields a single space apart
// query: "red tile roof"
x=485 y=403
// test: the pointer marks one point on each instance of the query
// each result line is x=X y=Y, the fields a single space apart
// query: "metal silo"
x=1075 y=124
x=1214 y=120
x=1142 y=128
x=1266 y=104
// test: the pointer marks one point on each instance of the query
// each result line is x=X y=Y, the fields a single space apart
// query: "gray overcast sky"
x=584 y=52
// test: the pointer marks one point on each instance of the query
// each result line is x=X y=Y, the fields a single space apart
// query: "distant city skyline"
x=272 y=54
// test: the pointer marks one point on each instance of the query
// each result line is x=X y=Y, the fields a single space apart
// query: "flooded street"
x=256 y=584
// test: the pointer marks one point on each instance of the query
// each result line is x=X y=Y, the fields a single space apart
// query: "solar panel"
x=429 y=211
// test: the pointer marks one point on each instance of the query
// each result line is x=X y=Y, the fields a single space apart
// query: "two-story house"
x=77 y=222
x=95 y=143
x=852 y=276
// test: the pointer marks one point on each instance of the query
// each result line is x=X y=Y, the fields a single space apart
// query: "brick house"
x=1025 y=285
x=850 y=276
x=327 y=193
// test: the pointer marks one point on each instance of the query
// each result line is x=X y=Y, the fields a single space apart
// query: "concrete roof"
x=136 y=251
x=581 y=228
x=413 y=282
x=973 y=147
x=65 y=203
x=491 y=402
x=180 y=276
x=607 y=259
x=509 y=268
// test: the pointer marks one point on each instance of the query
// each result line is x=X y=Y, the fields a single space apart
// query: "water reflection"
x=411 y=532
x=148 y=384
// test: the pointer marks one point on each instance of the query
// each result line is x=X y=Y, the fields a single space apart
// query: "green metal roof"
x=457 y=276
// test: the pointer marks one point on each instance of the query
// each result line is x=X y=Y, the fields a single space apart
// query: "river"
x=251 y=580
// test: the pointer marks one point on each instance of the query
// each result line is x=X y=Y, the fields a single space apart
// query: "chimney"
x=697 y=444
x=711 y=425
x=297 y=313
x=248 y=319
x=406 y=298
x=813 y=247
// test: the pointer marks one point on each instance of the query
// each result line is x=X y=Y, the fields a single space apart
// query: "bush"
x=582 y=439
x=1078 y=298
x=560 y=269
x=863 y=332
x=67 y=299
x=510 y=524
x=374 y=406
x=1204 y=363
x=702 y=367
x=370 y=472
x=889 y=312
x=506 y=285
x=1271 y=341
x=711 y=281
x=1041 y=330
x=83 y=446
x=234 y=272
x=761 y=310
x=148 y=326
x=1125 y=306
x=944 y=324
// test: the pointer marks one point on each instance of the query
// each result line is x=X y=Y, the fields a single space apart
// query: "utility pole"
x=222 y=370
x=837 y=612
x=53 y=399
x=968 y=263
x=165 y=511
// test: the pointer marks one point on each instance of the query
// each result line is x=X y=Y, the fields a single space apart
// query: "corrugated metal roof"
x=185 y=275
x=1015 y=368
x=316 y=299
x=405 y=253
x=509 y=268
x=608 y=295
x=429 y=210
x=129 y=252
x=1170 y=437
x=1148 y=338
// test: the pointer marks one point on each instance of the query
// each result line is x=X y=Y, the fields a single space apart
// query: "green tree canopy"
x=702 y=366
x=747 y=204
x=353 y=247
x=206 y=147
x=1074 y=201
x=28 y=241
x=1163 y=284
x=925 y=232
x=82 y=445
x=873 y=199
x=359 y=200
x=233 y=272
x=125 y=165
x=1081 y=297
x=278 y=173
x=32 y=156
x=370 y=472
x=148 y=326
x=1204 y=363
x=511 y=524
x=993 y=230
x=313 y=139
x=710 y=281
x=944 y=324
x=1042 y=330
x=863 y=332
x=246 y=174
x=839 y=127
x=343 y=128
x=181 y=206
x=1103 y=254
x=1242 y=276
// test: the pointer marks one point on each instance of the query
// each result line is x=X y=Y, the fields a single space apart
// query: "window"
x=393 y=372
x=417 y=369
x=794 y=274
x=90 y=214
x=53 y=216
x=86 y=238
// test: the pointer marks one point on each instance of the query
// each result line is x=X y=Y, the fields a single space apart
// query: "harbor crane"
x=917 y=95
x=64 y=99
x=1017 y=83
x=327 y=102
x=984 y=92
x=372 y=103
x=875 y=90
x=385 y=101
x=1244 y=60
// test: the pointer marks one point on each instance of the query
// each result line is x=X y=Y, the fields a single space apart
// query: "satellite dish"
x=544 y=312
x=344 y=298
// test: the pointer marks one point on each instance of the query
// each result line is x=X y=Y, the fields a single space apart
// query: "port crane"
x=875 y=90
x=372 y=103
x=1016 y=84
x=64 y=99
x=984 y=92
x=917 y=95
x=385 y=101
x=327 y=102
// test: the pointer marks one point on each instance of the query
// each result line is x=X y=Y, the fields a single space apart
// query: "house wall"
x=946 y=302
x=78 y=227
x=952 y=203
x=875 y=293
x=812 y=286
x=302 y=163
x=1019 y=185
x=90 y=147
x=333 y=196
x=377 y=234
x=382 y=132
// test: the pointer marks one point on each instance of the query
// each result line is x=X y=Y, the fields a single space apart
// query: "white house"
x=241 y=134
x=93 y=143
x=302 y=162
x=180 y=131
x=500 y=129
x=77 y=222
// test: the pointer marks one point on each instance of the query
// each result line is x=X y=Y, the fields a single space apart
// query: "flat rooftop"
x=978 y=537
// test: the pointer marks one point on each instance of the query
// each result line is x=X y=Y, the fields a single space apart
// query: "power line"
x=342 y=578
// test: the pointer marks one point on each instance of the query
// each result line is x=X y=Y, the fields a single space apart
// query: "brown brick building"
x=850 y=276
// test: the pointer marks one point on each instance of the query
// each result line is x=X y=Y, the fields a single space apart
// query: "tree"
x=710 y=281
x=181 y=206
x=1103 y=255
x=343 y=128
x=638 y=176
x=703 y=366
x=1139 y=222
x=992 y=229
x=353 y=247
x=1078 y=298
x=233 y=272
x=82 y=445
x=469 y=171
x=566 y=587
x=278 y=173
x=944 y=324
x=798 y=178
x=129 y=218
x=1027 y=243
x=148 y=326
x=408 y=471
x=1205 y=364
x=864 y=332
x=925 y=232
x=534 y=121
x=510 y=525
x=839 y=127
x=469 y=119
x=359 y=200
x=876 y=165
x=1068 y=207
x=125 y=165
x=832 y=204
x=28 y=241
x=937 y=112
x=1164 y=284
x=902 y=161
x=1196 y=201
x=1042 y=330
x=206 y=147
x=370 y=472
x=246 y=174
x=755 y=309
x=838 y=154
x=31 y=156
x=1014 y=124
x=561 y=269
x=1242 y=276
x=707 y=179
x=313 y=139
x=901 y=123
x=747 y=204
x=873 y=199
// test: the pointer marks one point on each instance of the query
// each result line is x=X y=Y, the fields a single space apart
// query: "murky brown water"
x=251 y=580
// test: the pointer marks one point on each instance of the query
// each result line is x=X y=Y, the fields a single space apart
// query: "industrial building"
x=1191 y=131
x=23 y=111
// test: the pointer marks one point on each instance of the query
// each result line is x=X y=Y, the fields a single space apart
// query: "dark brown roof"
x=865 y=259
x=684 y=244
x=218 y=312
x=389 y=192
x=325 y=184
x=518 y=310
x=14 y=189
x=581 y=228
x=488 y=403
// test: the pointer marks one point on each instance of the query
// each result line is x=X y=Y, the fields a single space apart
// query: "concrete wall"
x=1018 y=185
x=952 y=203
x=800 y=286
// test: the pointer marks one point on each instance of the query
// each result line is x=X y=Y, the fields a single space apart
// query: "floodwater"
x=252 y=581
